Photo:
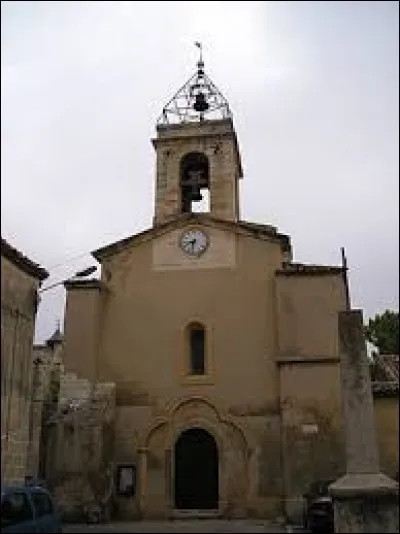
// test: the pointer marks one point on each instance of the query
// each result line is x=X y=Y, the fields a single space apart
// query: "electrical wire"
x=69 y=260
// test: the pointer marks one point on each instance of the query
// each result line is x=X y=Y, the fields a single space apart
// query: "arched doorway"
x=196 y=471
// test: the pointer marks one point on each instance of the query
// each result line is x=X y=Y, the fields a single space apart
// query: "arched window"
x=196 y=345
x=194 y=182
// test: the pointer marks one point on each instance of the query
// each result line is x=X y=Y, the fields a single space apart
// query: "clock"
x=193 y=242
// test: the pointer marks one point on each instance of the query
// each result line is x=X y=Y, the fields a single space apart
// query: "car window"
x=320 y=487
x=41 y=503
x=15 y=508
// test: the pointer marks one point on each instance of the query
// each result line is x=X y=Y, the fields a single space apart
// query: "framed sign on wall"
x=126 y=479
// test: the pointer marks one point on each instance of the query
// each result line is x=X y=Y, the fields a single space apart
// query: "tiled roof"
x=56 y=337
x=390 y=362
x=387 y=374
x=21 y=261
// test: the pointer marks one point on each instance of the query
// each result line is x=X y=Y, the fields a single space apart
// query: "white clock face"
x=194 y=242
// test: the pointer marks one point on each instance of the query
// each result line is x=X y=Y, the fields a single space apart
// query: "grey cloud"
x=314 y=91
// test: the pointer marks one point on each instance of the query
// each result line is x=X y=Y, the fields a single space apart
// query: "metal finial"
x=200 y=47
x=200 y=63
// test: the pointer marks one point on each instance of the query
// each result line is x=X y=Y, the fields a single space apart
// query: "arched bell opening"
x=195 y=183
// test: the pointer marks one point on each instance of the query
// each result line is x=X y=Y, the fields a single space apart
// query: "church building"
x=222 y=349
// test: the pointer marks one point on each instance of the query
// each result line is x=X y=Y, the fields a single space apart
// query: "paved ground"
x=192 y=525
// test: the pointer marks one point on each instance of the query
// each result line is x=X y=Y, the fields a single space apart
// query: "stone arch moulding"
x=153 y=427
x=173 y=406
x=218 y=426
x=197 y=422
x=213 y=422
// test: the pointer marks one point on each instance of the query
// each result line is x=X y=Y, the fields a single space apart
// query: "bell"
x=200 y=103
x=196 y=195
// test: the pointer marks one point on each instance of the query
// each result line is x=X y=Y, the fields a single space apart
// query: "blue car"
x=28 y=509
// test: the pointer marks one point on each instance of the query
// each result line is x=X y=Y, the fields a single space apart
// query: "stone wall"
x=74 y=390
x=47 y=372
x=80 y=467
x=312 y=433
x=217 y=141
x=386 y=413
x=18 y=309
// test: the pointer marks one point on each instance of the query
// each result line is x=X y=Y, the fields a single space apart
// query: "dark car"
x=318 y=514
x=28 y=508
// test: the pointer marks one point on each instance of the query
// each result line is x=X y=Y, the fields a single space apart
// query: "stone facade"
x=269 y=396
x=20 y=280
x=215 y=139
x=271 y=331
x=72 y=425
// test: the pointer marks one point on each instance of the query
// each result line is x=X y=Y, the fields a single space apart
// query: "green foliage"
x=383 y=331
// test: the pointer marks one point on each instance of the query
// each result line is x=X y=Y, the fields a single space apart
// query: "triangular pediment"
x=252 y=230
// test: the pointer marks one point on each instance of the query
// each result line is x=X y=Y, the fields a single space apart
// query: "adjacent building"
x=20 y=281
x=385 y=388
x=47 y=377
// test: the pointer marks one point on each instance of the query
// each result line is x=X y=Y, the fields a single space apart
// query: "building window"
x=197 y=349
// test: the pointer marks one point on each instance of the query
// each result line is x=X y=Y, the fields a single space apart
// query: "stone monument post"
x=365 y=500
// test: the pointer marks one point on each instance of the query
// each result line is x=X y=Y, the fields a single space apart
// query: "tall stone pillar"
x=365 y=500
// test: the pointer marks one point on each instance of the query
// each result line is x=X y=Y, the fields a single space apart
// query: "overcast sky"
x=314 y=89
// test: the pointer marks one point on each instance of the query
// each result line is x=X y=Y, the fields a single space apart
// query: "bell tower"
x=197 y=152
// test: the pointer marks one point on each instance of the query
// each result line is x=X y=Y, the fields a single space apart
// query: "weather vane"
x=200 y=47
